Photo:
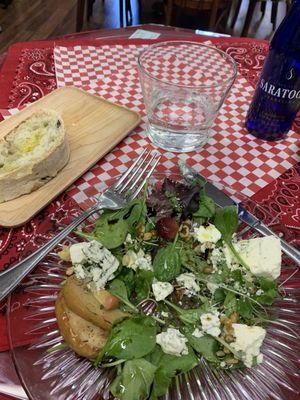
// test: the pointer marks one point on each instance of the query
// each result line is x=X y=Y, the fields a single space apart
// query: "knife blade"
x=223 y=200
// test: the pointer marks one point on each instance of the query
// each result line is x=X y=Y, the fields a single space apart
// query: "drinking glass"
x=184 y=85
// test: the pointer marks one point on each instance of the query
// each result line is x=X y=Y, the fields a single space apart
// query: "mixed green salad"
x=188 y=286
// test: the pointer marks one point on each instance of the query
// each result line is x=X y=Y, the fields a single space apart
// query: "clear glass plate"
x=61 y=375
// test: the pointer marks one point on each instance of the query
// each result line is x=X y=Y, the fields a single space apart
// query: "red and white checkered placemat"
x=79 y=65
x=232 y=156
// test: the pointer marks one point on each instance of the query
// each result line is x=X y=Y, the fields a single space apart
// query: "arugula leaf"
x=266 y=284
x=269 y=289
x=226 y=221
x=189 y=316
x=237 y=276
x=134 y=381
x=219 y=295
x=167 y=263
x=131 y=338
x=189 y=259
x=230 y=303
x=206 y=345
x=244 y=308
x=109 y=231
x=206 y=209
x=143 y=281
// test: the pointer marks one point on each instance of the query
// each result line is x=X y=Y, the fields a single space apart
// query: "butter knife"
x=222 y=200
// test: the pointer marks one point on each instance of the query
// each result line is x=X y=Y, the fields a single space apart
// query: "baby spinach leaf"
x=143 y=281
x=174 y=365
x=226 y=221
x=110 y=232
x=167 y=263
x=155 y=356
x=206 y=209
x=131 y=338
x=168 y=367
x=206 y=345
x=161 y=383
x=135 y=380
x=118 y=289
x=137 y=213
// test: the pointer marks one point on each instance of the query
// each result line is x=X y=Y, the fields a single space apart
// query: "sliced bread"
x=32 y=154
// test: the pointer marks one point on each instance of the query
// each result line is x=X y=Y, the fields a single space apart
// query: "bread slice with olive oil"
x=32 y=154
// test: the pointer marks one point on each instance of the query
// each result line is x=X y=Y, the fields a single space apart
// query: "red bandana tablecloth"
x=29 y=73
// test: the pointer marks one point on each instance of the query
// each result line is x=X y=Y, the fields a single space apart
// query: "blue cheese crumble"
x=138 y=260
x=172 y=342
x=208 y=236
x=93 y=263
x=262 y=255
x=197 y=333
x=248 y=341
x=211 y=323
x=188 y=281
x=161 y=290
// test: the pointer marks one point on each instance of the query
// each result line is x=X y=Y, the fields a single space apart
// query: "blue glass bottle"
x=276 y=99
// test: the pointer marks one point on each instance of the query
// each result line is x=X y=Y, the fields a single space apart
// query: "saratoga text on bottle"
x=279 y=92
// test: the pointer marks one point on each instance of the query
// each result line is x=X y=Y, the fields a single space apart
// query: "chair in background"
x=81 y=11
x=5 y=3
x=81 y=4
x=218 y=9
x=250 y=12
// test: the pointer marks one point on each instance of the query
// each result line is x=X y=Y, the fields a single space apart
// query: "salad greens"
x=166 y=263
x=195 y=242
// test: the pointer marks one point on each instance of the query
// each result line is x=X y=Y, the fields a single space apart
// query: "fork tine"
x=119 y=181
x=156 y=157
x=134 y=173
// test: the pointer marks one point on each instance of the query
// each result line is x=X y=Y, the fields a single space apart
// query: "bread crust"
x=35 y=174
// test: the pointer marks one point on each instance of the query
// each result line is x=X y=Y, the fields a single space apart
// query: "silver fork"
x=126 y=188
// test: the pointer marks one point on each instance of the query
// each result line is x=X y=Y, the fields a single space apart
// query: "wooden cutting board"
x=94 y=126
